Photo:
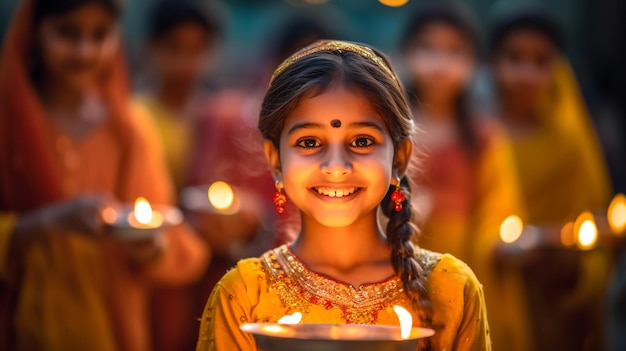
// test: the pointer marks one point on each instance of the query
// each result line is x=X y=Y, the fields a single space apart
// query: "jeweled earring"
x=398 y=197
x=279 y=198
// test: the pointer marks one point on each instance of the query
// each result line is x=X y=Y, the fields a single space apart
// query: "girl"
x=561 y=171
x=468 y=184
x=71 y=146
x=337 y=131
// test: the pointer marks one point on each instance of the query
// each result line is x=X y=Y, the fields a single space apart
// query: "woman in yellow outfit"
x=467 y=182
x=561 y=172
x=337 y=130
x=70 y=146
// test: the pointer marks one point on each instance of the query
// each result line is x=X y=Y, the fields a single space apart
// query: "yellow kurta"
x=267 y=288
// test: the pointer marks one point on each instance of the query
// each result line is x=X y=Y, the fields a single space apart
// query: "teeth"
x=335 y=192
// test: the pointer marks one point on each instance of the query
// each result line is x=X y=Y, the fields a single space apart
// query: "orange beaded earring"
x=398 y=197
x=279 y=198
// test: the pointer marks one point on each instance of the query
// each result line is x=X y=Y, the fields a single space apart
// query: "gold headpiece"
x=335 y=45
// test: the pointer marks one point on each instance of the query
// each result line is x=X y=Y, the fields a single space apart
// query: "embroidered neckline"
x=290 y=255
x=299 y=287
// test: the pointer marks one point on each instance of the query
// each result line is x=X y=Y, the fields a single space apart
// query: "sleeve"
x=473 y=332
x=7 y=223
x=185 y=255
x=226 y=308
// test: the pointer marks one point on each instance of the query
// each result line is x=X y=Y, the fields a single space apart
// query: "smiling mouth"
x=335 y=192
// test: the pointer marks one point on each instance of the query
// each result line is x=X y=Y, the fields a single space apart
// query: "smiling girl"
x=337 y=131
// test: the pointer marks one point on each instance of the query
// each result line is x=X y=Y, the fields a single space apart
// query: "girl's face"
x=335 y=174
x=523 y=67
x=181 y=54
x=77 y=47
x=440 y=61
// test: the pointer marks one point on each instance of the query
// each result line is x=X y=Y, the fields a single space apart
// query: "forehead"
x=338 y=103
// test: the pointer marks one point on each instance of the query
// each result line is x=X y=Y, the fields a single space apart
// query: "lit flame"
x=221 y=195
x=406 y=321
x=616 y=214
x=294 y=318
x=143 y=211
x=586 y=231
x=394 y=3
x=511 y=229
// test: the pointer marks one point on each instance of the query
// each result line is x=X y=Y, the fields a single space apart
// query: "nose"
x=337 y=163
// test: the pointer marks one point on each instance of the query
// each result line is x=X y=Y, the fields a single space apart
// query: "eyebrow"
x=367 y=125
x=305 y=125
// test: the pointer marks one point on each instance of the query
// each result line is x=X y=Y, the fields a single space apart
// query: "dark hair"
x=169 y=14
x=524 y=18
x=457 y=15
x=315 y=73
x=46 y=8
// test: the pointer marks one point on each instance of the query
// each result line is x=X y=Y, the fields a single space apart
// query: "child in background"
x=337 y=130
x=182 y=37
x=70 y=145
x=467 y=184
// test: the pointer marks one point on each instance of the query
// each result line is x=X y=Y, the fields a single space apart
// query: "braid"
x=400 y=231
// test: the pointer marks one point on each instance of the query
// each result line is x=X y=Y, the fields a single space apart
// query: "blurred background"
x=522 y=106
x=592 y=30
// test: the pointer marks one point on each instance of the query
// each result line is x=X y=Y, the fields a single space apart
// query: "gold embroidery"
x=299 y=288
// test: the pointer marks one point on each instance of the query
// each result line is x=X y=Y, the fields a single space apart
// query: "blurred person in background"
x=466 y=182
x=560 y=168
x=182 y=38
x=71 y=145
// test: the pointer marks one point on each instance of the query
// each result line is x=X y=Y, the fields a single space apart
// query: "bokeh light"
x=221 y=195
x=586 y=231
x=616 y=214
x=511 y=229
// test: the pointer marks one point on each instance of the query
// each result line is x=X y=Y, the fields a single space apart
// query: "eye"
x=362 y=142
x=308 y=143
